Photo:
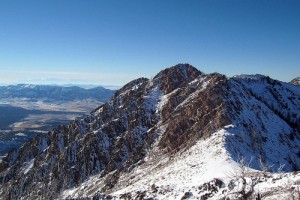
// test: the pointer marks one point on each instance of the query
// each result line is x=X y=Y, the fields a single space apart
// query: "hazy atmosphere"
x=113 y=42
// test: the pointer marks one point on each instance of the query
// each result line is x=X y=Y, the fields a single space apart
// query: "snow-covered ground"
x=184 y=172
x=1 y=157
x=206 y=169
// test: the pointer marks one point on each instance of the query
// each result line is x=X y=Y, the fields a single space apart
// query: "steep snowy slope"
x=182 y=134
x=265 y=114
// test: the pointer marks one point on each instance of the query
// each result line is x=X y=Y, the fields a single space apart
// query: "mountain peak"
x=185 y=70
x=176 y=76
x=296 y=81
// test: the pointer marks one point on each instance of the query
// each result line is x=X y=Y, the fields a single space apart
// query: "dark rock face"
x=176 y=77
x=116 y=136
x=190 y=119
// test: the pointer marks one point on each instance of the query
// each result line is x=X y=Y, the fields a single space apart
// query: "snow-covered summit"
x=180 y=135
x=296 y=81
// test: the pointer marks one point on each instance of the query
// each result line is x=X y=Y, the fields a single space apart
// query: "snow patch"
x=21 y=134
x=28 y=166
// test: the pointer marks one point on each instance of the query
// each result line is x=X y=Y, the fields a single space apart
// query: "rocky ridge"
x=153 y=128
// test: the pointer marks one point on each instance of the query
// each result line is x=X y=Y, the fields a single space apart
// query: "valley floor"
x=23 y=118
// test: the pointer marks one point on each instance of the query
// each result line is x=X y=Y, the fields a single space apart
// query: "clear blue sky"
x=113 y=42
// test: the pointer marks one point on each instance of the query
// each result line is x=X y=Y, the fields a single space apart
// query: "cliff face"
x=193 y=112
x=148 y=123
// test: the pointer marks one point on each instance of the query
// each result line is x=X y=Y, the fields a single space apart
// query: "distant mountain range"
x=181 y=135
x=58 y=93
x=90 y=86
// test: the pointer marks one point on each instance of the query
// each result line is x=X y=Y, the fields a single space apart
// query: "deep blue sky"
x=113 y=42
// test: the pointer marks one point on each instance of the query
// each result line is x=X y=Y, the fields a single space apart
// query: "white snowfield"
x=187 y=173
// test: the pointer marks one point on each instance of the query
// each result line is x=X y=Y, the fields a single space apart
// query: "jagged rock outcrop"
x=194 y=111
x=149 y=122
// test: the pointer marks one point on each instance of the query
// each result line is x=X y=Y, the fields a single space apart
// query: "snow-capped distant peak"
x=296 y=81
x=251 y=77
